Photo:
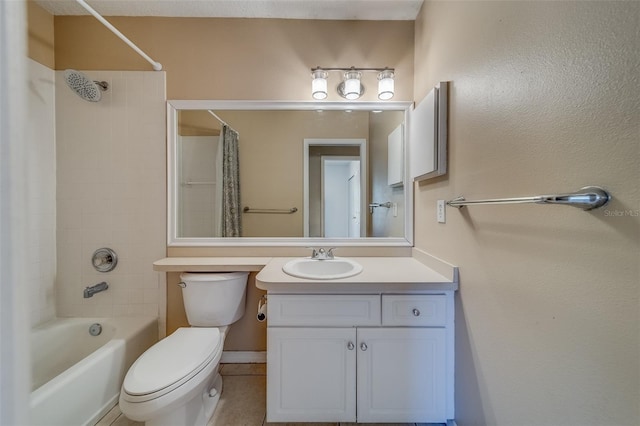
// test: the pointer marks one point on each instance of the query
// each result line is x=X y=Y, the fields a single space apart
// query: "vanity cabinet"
x=360 y=358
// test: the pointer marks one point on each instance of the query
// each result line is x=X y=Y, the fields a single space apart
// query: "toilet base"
x=196 y=412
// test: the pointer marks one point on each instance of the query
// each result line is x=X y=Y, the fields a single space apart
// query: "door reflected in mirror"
x=304 y=173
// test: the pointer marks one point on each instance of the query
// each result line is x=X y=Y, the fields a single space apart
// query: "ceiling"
x=287 y=9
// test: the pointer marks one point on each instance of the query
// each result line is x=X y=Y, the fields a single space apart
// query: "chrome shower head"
x=83 y=86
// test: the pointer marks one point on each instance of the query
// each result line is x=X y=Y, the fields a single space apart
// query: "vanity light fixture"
x=385 y=85
x=351 y=86
x=319 y=84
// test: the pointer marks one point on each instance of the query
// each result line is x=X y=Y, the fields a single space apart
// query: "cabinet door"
x=311 y=374
x=402 y=375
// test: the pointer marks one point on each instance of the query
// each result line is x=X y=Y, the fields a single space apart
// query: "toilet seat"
x=171 y=362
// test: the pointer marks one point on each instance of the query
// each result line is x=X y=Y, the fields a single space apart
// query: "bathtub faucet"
x=91 y=290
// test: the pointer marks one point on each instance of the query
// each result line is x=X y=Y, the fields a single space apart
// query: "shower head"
x=84 y=87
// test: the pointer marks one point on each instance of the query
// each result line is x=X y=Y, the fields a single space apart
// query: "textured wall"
x=544 y=98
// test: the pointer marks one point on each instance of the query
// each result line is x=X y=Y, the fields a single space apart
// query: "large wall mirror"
x=309 y=173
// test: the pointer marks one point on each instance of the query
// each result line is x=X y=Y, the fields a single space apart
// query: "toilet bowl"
x=176 y=381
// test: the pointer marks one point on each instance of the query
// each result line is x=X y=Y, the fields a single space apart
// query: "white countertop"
x=210 y=264
x=379 y=274
x=422 y=272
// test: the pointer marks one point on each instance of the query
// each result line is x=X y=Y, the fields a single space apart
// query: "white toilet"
x=176 y=381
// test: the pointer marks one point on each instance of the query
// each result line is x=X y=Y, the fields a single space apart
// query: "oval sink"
x=325 y=269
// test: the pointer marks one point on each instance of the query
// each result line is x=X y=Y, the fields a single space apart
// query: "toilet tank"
x=214 y=299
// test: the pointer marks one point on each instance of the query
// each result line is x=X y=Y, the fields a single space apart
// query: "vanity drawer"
x=323 y=310
x=417 y=310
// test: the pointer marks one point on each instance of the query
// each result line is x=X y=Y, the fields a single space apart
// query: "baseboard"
x=451 y=422
x=243 y=357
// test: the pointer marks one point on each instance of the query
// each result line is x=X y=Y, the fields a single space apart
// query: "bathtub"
x=76 y=377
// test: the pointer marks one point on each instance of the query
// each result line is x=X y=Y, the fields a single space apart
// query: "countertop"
x=379 y=274
x=210 y=264
x=422 y=272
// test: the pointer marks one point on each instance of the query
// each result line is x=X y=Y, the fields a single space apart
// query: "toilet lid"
x=175 y=358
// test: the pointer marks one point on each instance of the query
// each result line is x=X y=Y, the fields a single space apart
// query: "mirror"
x=310 y=173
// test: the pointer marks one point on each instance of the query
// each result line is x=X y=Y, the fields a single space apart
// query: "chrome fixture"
x=386 y=205
x=95 y=329
x=587 y=198
x=88 y=89
x=91 y=290
x=351 y=86
x=322 y=254
x=104 y=260
x=248 y=209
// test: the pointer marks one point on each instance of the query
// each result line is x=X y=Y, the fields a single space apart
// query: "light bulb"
x=319 y=84
x=385 y=85
x=352 y=85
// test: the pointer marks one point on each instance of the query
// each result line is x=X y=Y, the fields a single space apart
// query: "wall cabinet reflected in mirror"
x=307 y=175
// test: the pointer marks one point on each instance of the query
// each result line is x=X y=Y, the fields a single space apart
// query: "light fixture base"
x=340 y=90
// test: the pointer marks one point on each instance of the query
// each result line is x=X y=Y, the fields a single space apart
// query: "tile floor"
x=242 y=403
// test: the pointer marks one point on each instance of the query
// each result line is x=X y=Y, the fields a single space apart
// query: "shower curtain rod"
x=221 y=120
x=218 y=118
x=157 y=66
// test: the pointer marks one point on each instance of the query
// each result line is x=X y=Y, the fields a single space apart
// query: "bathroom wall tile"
x=40 y=148
x=109 y=153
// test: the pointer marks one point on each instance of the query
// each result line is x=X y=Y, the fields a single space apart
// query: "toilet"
x=176 y=381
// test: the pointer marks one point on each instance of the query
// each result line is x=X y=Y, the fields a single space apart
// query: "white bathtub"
x=76 y=377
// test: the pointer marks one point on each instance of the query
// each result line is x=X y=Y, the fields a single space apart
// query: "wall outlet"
x=441 y=215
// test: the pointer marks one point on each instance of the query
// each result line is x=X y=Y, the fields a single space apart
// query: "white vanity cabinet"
x=360 y=357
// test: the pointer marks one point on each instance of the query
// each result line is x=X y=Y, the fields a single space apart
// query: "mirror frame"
x=173 y=106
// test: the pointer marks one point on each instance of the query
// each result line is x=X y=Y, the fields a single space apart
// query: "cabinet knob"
x=350 y=346
x=363 y=346
x=416 y=312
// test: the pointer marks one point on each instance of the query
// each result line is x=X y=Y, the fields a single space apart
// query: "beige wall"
x=241 y=58
x=40 y=38
x=257 y=59
x=544 y=98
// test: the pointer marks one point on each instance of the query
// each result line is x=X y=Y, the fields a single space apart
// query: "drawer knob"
x=350 y=346
x=363 y=346
x=416 y=312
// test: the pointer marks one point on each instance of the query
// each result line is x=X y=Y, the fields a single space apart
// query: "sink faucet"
x=322 y=254
x=91 y=290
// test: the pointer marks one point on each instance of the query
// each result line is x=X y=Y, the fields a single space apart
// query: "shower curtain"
x=231 y=221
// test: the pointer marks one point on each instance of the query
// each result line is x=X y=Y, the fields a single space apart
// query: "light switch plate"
x=441 y=215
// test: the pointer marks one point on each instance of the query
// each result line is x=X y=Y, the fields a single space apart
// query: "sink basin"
x=325 y=269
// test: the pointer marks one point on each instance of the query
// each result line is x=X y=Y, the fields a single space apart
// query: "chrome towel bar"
x=587 y=198
x=248 y=209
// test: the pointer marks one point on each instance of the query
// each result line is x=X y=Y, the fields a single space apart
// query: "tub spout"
x=91 y=290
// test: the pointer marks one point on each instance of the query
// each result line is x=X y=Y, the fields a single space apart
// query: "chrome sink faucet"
x=322 y=254
x=91 y=290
